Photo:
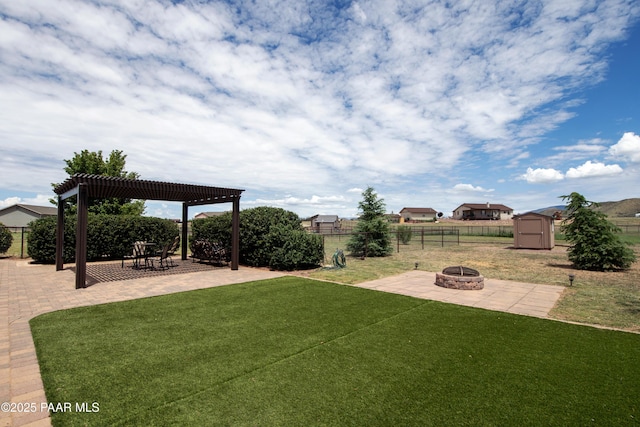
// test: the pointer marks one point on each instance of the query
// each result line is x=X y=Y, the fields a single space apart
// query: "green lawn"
x=294 y=351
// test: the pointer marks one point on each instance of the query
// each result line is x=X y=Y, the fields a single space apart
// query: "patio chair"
x=164 y=258
x=174 y=246
x=138 y=252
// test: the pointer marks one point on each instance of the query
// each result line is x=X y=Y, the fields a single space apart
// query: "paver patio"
x=27 y=290
x=500 y=295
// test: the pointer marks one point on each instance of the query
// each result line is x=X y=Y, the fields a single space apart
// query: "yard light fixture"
x=571 y=277
x=416 y=266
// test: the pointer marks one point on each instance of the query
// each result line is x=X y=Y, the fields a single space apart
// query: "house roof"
x=39 y=210
x=419 y=210
x=477 y=206
x=107 y=186
x=210 y=214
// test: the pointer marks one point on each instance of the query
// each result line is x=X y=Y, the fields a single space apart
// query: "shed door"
x=530 y=233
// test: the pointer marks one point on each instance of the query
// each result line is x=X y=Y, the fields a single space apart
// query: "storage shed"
x=533 y=231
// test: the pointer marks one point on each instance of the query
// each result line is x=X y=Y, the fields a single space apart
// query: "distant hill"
x=621 y=209
x=550 y=210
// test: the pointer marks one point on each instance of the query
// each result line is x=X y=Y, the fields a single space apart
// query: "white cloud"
x=468 y=188
x=592 y=147
x=627 y=148
x=542 y=176
x=10 y=201
x=593 y=169
x=298 y=97
x=316 y=204
x=38 y=200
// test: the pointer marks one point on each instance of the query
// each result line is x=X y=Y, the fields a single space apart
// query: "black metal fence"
x=417 y=239
x=19 y=244
x=461 y=230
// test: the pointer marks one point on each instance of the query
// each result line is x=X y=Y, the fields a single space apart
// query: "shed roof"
x=107 y=186
x=533 y=214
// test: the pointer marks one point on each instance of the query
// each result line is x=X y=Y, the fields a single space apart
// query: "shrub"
x=108 y=236
x=269 y=236
x=404 y=234
x=300 y=250
x=41 y=241
x=6 y=238
x=261 y=232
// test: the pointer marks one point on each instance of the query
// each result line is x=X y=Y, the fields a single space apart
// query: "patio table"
x=149 y=251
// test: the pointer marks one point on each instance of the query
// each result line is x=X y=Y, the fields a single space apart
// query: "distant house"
x=21 y=215
x=417 y=214
x=203 y=215
x=481 y=211
x=325 y=224
x=393 y=217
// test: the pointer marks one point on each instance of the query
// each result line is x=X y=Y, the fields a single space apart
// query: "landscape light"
x=571 y=277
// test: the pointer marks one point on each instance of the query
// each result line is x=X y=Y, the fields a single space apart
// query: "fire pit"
x=460 y=277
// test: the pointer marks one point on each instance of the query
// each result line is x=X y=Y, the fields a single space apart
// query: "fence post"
x=398 y=241
x=22 y=243
x=422 y=238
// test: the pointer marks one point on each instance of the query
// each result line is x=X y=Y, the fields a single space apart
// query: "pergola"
x=85 y=186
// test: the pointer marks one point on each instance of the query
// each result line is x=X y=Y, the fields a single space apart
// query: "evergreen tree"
x=595 y=244
x=371 y=235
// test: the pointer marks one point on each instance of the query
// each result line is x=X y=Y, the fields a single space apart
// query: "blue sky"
x=305 y=104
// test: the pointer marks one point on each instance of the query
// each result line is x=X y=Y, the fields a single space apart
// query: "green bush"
x=300 y=250
x=41 y=241
x=269 y=236
x=404 y=234
x=108 y=236
x=6 y=238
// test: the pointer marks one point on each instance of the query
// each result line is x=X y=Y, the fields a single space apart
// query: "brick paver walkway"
x=27 y=290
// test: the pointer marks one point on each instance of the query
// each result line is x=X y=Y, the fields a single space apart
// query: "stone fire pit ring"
x=459 y=277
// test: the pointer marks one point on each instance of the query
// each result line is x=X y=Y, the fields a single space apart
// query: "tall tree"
x=595 y=243
x=371 y=235
x=92 y=162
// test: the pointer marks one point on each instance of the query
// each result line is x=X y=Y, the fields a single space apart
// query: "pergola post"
x=235 y=234
x=185 y=229
x=81 y=237
x=60 y=236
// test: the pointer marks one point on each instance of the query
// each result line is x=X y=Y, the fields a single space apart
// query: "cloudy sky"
x=305 y=103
